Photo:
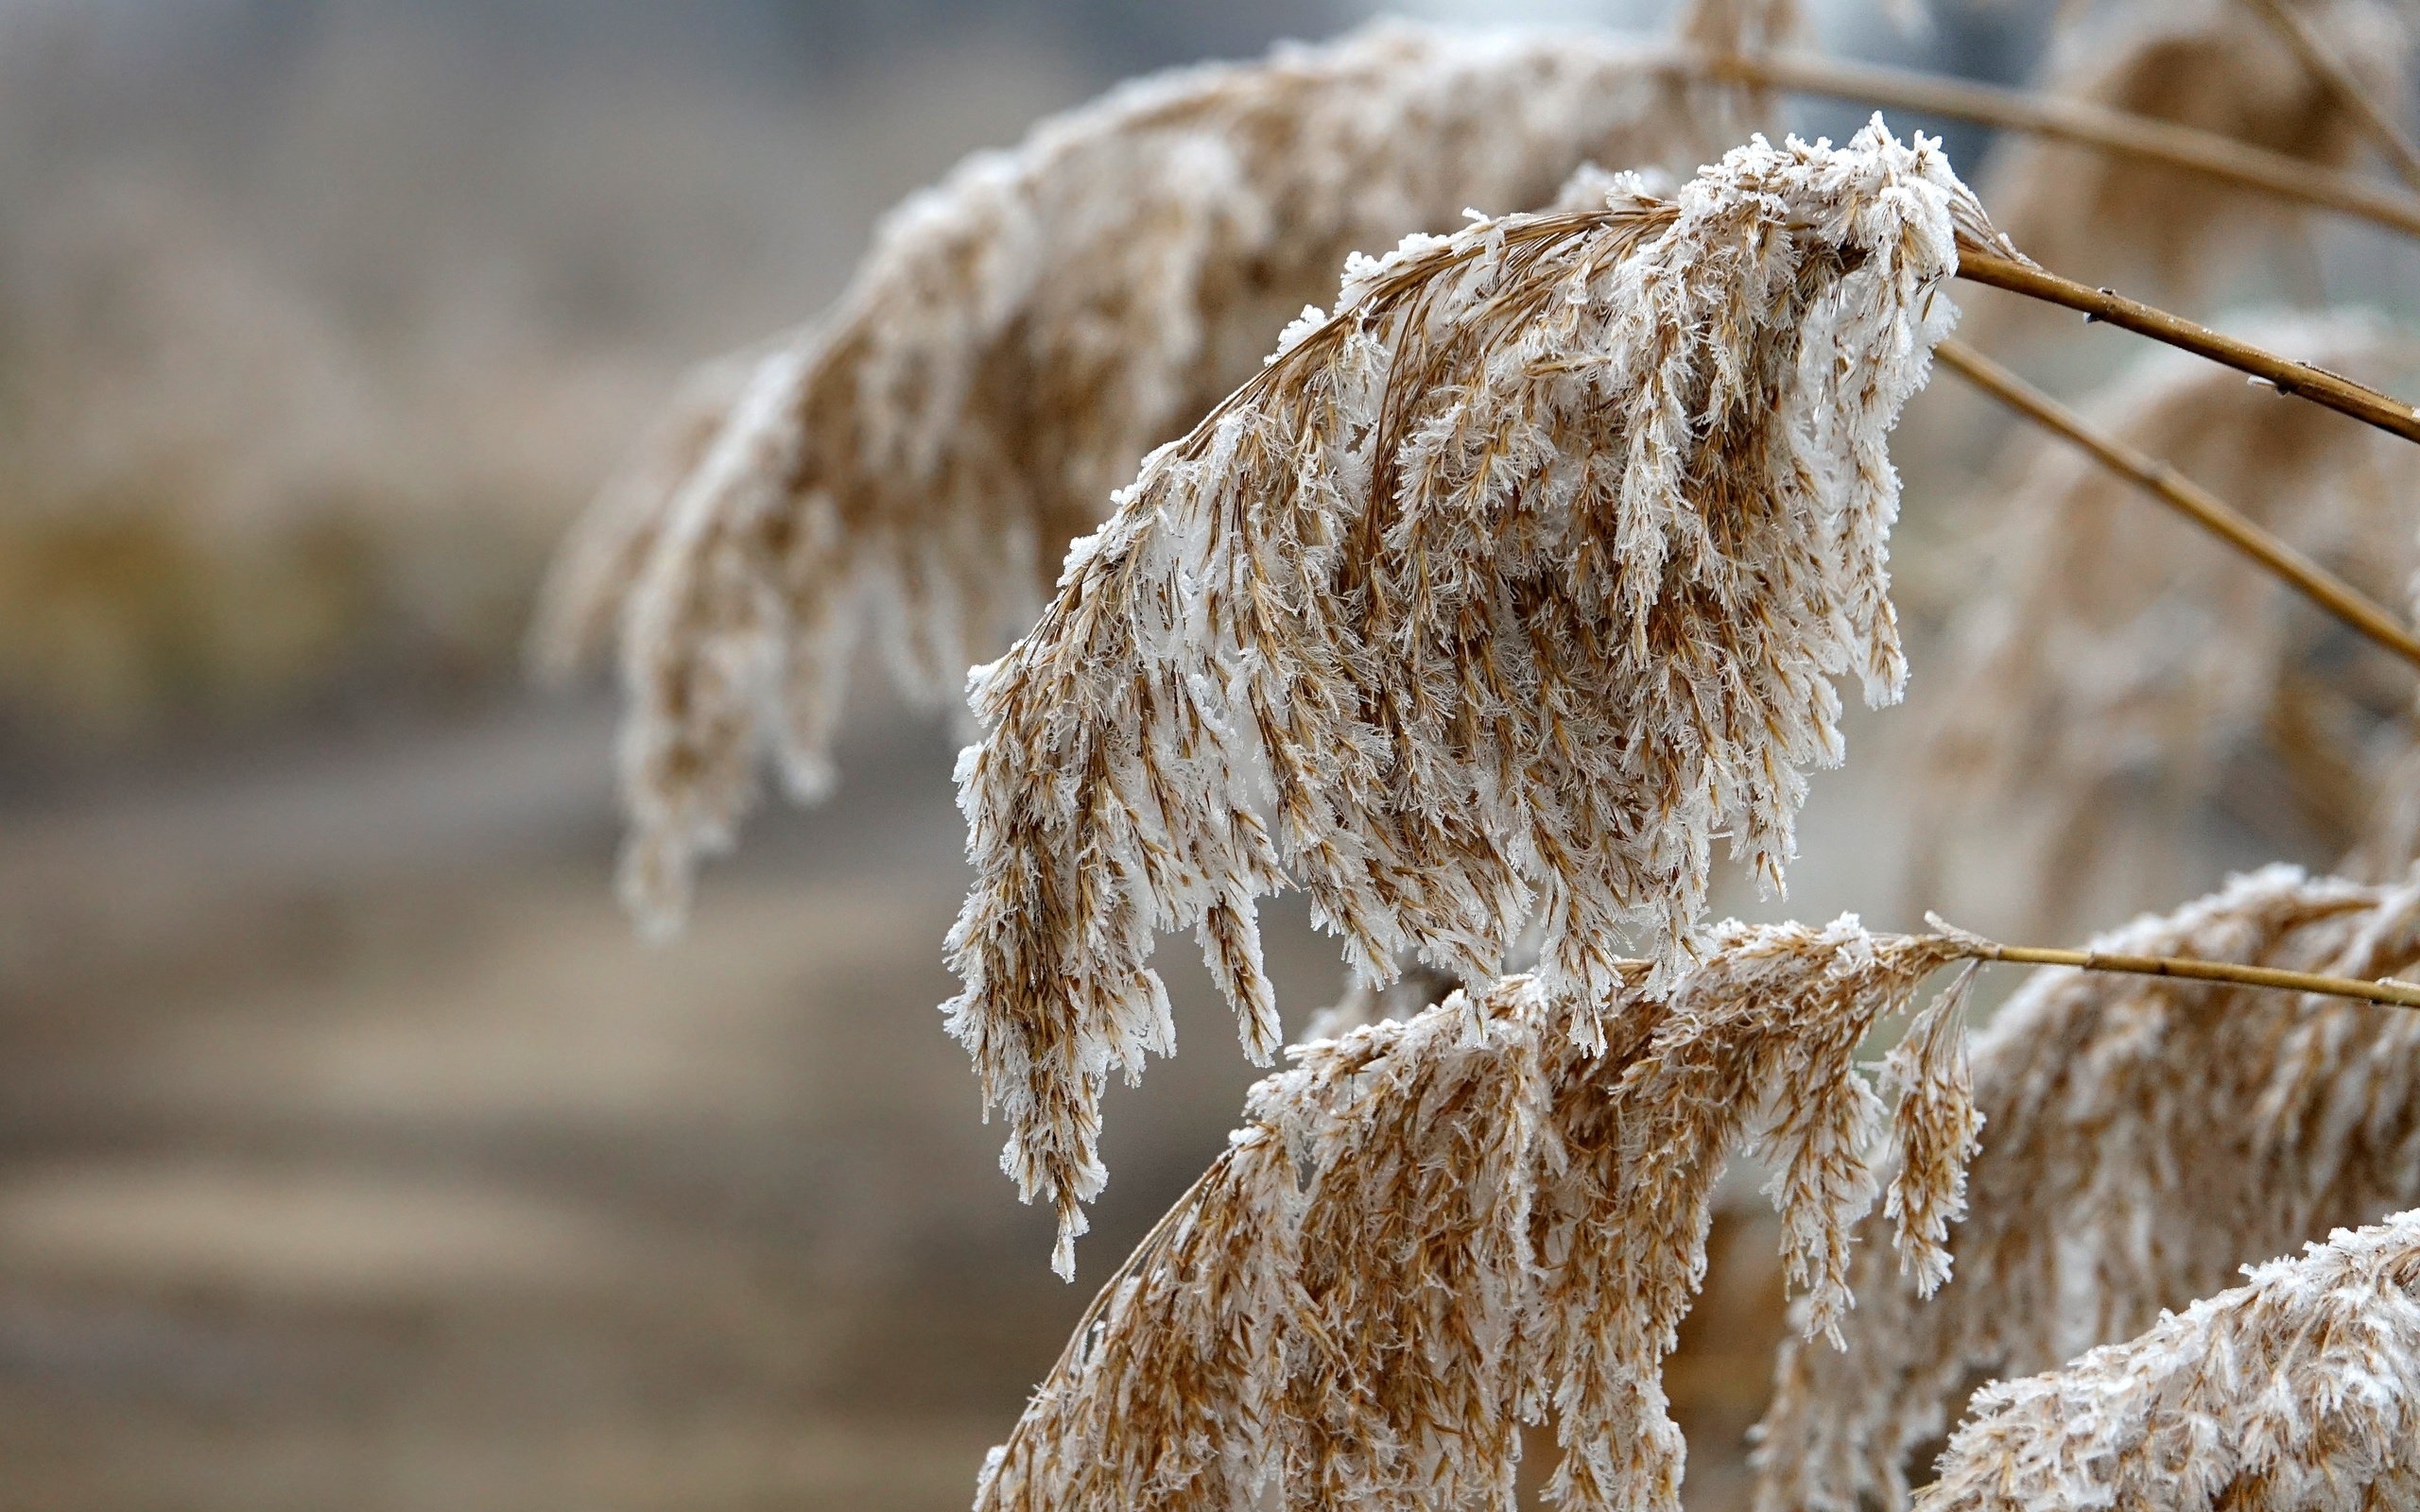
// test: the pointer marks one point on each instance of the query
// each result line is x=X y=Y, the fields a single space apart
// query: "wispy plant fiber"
x=2114 y=674
x=1506 y=588
x=2143 y=1137
x=1014 y=342
x=2211 y=65
x=2298 y=1392
x=1433 y=1230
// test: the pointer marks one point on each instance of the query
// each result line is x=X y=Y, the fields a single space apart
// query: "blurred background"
x=352 y=1154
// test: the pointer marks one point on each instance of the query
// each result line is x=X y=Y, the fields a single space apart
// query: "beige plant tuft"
x=1433 y=1230
x=1013 y=343
x=1505 y=589
x=2143 y=1137
x=2299 y=1390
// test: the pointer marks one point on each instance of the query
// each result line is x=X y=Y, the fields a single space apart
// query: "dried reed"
x=2299 y=1390
x=1511 y=585
x=1431 y=1231
x=2145 y=1136
x=1013 y=343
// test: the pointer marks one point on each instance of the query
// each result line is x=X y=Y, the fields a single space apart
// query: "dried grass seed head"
x=2143 y=1137
x=1013 y=343
x=1502 y=591
x=2296 y=1392
x=2210 y=64
x=1433 y=1230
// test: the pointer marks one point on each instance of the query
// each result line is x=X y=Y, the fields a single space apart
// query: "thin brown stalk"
x=2286 y=375
x=2196 y=503
x=2303 y=39
x=2385 y=991
x=2179 y=146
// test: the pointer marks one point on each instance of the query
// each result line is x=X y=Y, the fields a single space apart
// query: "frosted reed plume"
x=1431 y=1231
x=2298 y=1390
x=2115 y=668
x=2144 y=1137
x=2211 y=65
x=1014 y=342
x=581 y=603
x=1508 y=586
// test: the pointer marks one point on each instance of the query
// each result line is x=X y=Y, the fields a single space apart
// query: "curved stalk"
x=2171 y=488
x=2284 y=374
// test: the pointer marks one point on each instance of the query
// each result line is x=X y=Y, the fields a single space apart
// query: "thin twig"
x=2138 y=136
x=2385 y=991
x=2295 y=30
x=2286 y=376
x=2173 y=489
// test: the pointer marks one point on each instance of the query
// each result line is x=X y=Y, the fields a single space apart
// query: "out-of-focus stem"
x=2286 y=375
x=2197 y=504
x=2179 y=146
x=2295 y=29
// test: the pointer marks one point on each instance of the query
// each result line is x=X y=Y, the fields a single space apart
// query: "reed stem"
x=2171 y=488
x=2385 y=991
x=2178 y=147
x=2284 y=374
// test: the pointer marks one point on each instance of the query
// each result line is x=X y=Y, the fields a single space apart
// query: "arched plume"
x=1013 y=343
x=2211 y=65
x=2114 y=672
x=1503 y=589
x=1433 y=1230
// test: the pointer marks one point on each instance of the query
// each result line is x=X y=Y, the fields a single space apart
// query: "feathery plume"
x=2210 y=64
x=2112 y=653
x=581 y=602
x=1014 y=342
x=2148 y=1135
x=1508 y=586
x=1412 y=1246
x=2298 y=1390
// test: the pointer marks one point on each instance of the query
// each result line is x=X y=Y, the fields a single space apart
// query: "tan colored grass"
x=1431 y=1231
x=2142 y=1138
x=2114 y=676
x=1506 y=588
x=1017 y=340
x=2211 y=65
x=2299 y=1390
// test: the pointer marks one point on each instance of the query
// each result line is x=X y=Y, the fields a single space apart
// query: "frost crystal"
x=1501 y=592
x=2144 y=1138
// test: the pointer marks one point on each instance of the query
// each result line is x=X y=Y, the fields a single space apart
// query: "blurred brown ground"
x=356 y=1157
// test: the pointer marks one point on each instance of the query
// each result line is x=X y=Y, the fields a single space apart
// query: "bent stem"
x=2163 y=482
x=2295 y=29
x=2284 y=374
x=2138 y=136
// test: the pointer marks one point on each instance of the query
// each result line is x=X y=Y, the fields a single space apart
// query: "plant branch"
x=2284 y=374
x=2173 y=489
x=2297 y=33
x=2385 y=991
x=2178 y=147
